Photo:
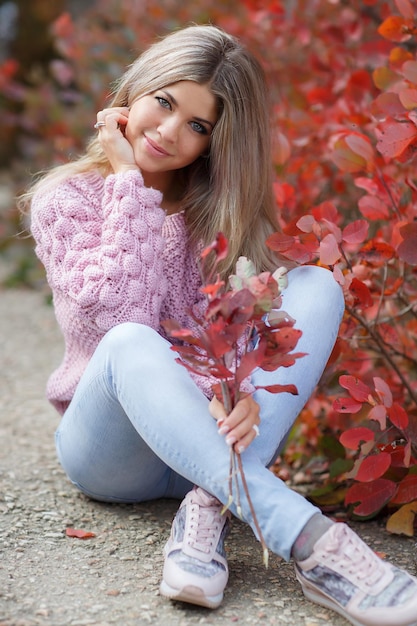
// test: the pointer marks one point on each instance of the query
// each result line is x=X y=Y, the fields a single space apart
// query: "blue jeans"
x=138 y=427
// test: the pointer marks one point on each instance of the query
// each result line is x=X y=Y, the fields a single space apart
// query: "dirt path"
x=48 y=579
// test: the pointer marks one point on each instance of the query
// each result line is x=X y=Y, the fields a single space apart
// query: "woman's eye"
x=163 y=102
x=199 y=128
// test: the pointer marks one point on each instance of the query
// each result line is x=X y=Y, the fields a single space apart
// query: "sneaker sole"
x=318 y=598
x=190 y=594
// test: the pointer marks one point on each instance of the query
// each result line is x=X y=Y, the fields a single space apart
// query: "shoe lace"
x=346 y=550
x=205 y=524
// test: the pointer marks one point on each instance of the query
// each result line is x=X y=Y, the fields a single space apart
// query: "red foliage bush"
x=343 y=79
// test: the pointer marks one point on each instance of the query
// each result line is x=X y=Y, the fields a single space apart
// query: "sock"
x=312 y=531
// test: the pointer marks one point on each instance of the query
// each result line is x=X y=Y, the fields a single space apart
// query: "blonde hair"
x=230 y=188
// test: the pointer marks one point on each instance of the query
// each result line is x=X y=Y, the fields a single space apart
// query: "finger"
x=118 y=110
x=112 y=119
x=217 y=410
x=242 y=444
x=243 y=431
x=244 y=410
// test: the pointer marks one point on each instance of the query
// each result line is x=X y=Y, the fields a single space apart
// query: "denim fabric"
x=138 y=427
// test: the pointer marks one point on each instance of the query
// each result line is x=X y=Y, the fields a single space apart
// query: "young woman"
x=181 y=154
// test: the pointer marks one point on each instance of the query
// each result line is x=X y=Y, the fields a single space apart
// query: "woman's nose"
x=169 y=128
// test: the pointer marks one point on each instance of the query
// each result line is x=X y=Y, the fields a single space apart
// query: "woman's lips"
x=154 y=149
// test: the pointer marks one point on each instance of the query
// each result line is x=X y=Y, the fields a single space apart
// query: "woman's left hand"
x=241 y=426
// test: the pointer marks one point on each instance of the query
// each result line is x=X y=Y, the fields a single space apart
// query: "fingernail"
x=241 y=449
x=231 y=440
x=223 y=430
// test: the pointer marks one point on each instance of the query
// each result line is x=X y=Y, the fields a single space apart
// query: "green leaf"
x=340 y=466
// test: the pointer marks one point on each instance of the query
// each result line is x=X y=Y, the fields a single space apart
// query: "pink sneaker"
x=195 y=567
x=345 y=575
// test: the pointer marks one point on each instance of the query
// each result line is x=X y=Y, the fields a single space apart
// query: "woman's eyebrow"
x=197 y=119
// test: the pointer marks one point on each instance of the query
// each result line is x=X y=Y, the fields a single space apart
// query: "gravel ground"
x=48 y=579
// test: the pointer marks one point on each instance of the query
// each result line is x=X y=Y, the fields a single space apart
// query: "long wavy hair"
x=229 y=189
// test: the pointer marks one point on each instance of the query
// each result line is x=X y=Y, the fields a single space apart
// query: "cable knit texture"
x=111 y=255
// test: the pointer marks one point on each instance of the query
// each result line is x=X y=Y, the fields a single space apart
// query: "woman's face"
x=171 y=127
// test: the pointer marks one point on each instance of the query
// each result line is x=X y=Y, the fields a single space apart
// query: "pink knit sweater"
x=111 y=256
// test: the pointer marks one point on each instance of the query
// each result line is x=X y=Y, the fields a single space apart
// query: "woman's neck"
x=170 y=186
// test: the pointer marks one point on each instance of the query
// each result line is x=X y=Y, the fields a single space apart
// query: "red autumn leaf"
x=274 y=361
x=347 y=405
x=279 y=389
x=407 y=490
x=333 y=228
x=282 y=150
x=249 y=361
x=9 y=68
x=378 y=413
x=399 y=454
x=407 y=455
x=396 y=28
x=407 y=250
x=363 y=296
x=347 y=158
x=408 y=98
x=373 y=208
x=405 y=8
x=320 y=95
x=212 y=290
x=360 y=145
x=357 y=389
x=79 y=534
x=299 y=253
x=387 y=103
x=285 y=338
x=279 y=242
x=395 y=137
x=354 y=437
x=306 y=223
x=409 y=69
x=220 y=246
x=63 y=26
x=218 y=371
x=398 y=416
x=215 y=340
x=184 y=334
x=384 y=78
x=284 y=193
x=368 y=184
x=383 y=391
x=355 y=232
x=369 y=498
x=393 y=287
x=329 y=250
x=373 y=467
x=377 y=252
x=326 y=211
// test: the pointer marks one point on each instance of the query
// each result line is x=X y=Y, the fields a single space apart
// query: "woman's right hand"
x=241 y=426
x=113 y=141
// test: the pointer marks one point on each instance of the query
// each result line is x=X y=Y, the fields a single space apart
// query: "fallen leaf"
x=402 y=521
x=79 y=534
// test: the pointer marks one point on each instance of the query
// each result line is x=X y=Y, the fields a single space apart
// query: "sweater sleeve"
x=100 y=241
